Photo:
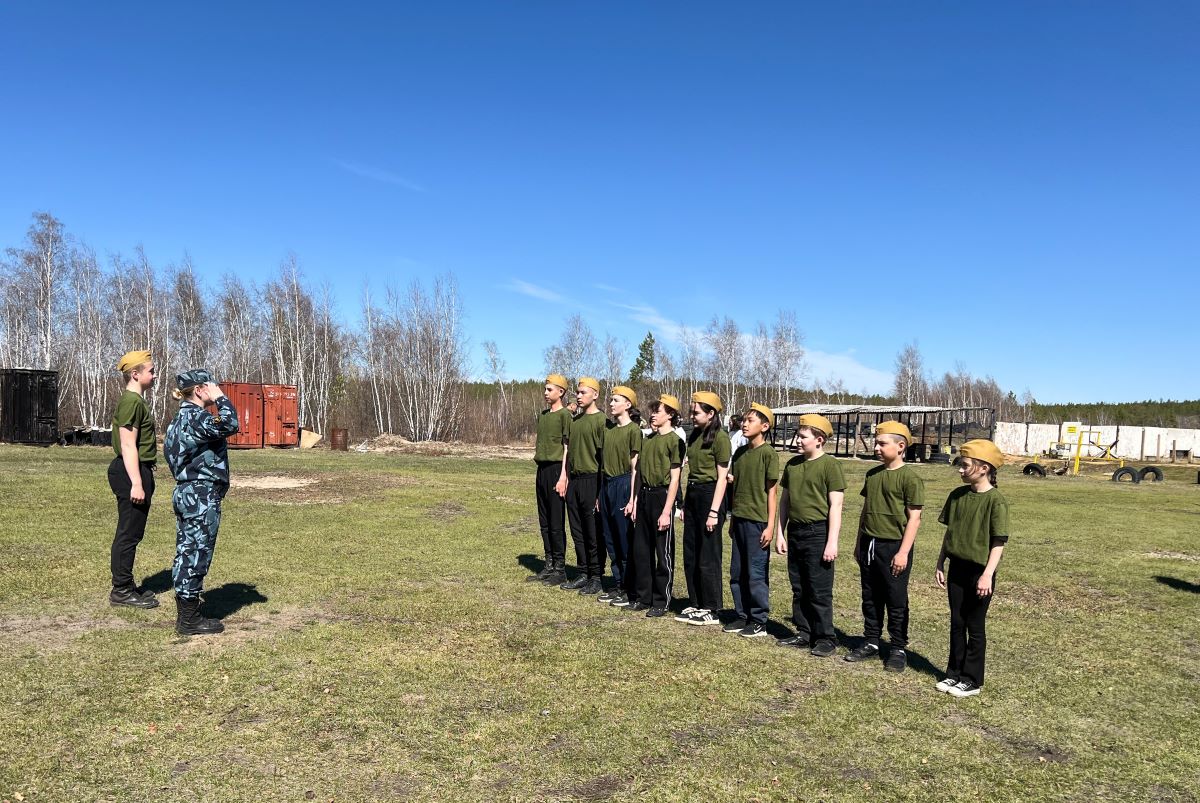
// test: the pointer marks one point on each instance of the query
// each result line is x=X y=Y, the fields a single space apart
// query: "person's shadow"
x=226 y=600
x=1177 y=584
x=159 y=582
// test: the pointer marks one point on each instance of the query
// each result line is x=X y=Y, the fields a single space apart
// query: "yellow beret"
x=627 y=392
x=557 y=379
x=589 y=382
x=894 y=428
x=766 y=411
x=818 y=422
x=132 y=360
x=982 y=449
x=670 y=401
x=709 y=398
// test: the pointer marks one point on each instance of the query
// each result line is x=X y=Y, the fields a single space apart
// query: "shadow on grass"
x=1177 y=584
x=230 y=598
x=159 y=582
x=531 y=562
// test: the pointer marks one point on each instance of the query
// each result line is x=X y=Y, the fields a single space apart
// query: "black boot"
x=558 y=572
x=189 y=622
x=132 y=598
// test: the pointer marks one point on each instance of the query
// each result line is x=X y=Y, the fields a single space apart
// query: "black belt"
x=655 y=487
x=701 y=483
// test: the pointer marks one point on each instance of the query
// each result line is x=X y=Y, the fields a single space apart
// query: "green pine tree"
x=643 y=367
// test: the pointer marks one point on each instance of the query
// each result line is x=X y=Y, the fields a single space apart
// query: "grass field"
x=381 y=645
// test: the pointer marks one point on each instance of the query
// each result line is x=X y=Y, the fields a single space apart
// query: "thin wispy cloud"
x=608 y=288
x=672 y=331
x=535 y=291
x=378 y=174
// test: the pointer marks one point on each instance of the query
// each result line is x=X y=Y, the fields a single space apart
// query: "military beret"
x=765 y=411
x=132 y=360
x=627 y=392
x=709 y=398
x=670 y=401
x=894 y=428
x=982 y=449
x=817 y=422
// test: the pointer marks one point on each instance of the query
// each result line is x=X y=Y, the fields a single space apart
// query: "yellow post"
x=1078 y=449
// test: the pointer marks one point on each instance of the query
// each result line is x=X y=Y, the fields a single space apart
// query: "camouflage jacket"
x=195 y=442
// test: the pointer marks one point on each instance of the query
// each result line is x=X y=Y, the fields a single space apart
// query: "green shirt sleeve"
x=914 y=490
x=999 y=519
x=771 y=465
x=721 y=449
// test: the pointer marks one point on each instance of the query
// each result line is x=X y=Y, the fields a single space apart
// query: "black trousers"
x=131 y=520
x=582 y=493
x=551 y=510
x=968 y=611
x=702 y=549
x=650 y=572
x=883 y=592
x=811 y=578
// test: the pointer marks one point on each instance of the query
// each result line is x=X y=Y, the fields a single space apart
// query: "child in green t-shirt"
x=813 y=490
x=976 y=519
x=754 y=474
x=893 y=498
x=550 y=483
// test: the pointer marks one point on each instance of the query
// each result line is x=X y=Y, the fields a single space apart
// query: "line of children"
x=813 y=489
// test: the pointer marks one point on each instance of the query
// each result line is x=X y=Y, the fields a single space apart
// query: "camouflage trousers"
x=197 y=517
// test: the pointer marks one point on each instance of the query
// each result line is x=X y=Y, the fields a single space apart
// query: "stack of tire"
x=1124 y=474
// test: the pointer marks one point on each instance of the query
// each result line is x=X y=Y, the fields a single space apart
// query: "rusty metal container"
x=339 y=440
x=247 y=398
x=281 y=415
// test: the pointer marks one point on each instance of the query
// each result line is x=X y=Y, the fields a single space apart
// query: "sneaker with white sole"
x=753 y=630
x=964 y=688
x=703 y=617
x=946 y=684
x=735 y=626
x=862 y=653
x=686 y=615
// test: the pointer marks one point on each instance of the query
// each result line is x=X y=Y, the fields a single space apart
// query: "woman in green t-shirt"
x=708 y=454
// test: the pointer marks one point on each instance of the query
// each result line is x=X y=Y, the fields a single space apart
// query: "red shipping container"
x=281 y=415
x=247 y=398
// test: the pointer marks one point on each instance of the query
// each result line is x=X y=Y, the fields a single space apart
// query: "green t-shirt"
x=552 y=429
x=621 y=443
x=660 y=453
x=586 y=439
x=132 y=412
x=754 y=468
x=702 y=463
x=972 y=520
x=888 y=495
x=809 y=483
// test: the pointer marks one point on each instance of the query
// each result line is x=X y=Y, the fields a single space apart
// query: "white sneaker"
x=703 y=617
x=946 y=684
x=687 y=615
x=964 y=689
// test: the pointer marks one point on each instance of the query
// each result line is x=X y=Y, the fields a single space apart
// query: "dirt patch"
x=244 y=629
x=47 y=634
x=522 y=525
x=270 y=483
x=602 y=787
x=313 y=489
x=447 y=510
x=1172 y=556
x=393 y=444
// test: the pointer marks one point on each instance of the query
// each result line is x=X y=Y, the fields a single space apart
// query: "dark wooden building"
x=936 y=430
x=28 y=406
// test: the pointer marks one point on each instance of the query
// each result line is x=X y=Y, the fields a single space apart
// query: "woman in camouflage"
x=195 y=450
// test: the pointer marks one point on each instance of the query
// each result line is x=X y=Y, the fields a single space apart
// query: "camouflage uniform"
x=195 y=450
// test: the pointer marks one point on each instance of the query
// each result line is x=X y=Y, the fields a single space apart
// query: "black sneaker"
x=753 y=630
x=703 y=618
x=823 y=648
x=132 y=598
x=685 y=615
x=735 y=626
x=637 y=606
x=656 y=612
x=609 y=596
x=897 y=660
x=796 y=642
x=540 y=576
x=964 y=688
x=576 y=584
x=620 y=601
x=861 y=653
x=555 y=578
x=594 y=586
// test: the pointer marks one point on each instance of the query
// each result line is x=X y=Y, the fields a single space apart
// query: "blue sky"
x=1012 y=185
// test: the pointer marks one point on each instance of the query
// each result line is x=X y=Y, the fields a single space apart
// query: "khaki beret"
x=709 y=398
x=982 y=449
x=670 y=401
x=557 y=379
x=817 y=422
x=132 y=360
x=766 y=412
x=589 y=382
x=894 y=428
x=627 y=392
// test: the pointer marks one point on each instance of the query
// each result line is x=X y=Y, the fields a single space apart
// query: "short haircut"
x=759 y=416
x=128 y=375
x=896 y=438
x=816 y=431
x=656 y=405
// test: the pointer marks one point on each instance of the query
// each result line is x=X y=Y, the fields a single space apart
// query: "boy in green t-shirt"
x=131 y=476
x=584 y=446
x=813 y=490
x=550 y=484
x=976 y=519
x=893 y=498
x=754 y=474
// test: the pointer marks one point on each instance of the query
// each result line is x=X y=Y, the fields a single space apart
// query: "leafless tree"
x=495 y=371
x=90 y=340
x=432 y=364
x=242 y=340
x=910 y=386
x=614 y=359
x=787 y=355
x=728 y=361
x=576 y=353
x=691 y=361
x=194 y=331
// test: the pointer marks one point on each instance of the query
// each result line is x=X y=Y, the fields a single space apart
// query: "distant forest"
x=1149 y=413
